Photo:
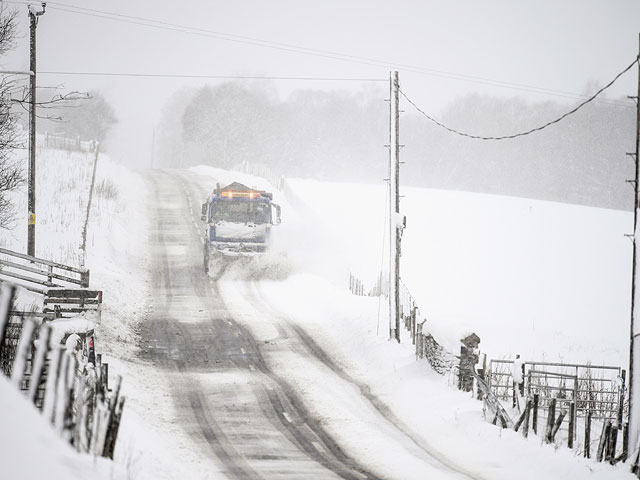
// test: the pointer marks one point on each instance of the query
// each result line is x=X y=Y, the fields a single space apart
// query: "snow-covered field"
x=115 y=233
x=548 y=281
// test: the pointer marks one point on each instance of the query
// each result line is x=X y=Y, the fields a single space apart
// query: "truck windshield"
x=240 y=212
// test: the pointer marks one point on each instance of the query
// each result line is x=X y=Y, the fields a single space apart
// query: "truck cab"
x=238 y=221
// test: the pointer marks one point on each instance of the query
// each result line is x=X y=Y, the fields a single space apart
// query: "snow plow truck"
x=239 y=221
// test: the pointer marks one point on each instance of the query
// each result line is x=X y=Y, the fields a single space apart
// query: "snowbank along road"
x=230 y=352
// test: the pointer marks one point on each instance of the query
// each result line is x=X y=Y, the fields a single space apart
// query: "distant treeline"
x=341 y=136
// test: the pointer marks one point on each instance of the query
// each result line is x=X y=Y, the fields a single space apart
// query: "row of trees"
x=231 y=123
x=88 y=116
x=340 y=136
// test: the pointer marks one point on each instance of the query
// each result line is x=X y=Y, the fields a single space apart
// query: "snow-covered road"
x=228 y=354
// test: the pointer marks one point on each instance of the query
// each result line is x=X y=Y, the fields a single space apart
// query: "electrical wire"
x=527 y=132
x=136 y=20
x=223 y=77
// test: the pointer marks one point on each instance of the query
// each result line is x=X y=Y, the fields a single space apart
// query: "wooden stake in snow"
x=52 y=381
x=606 y=426
x=557 y=424
x=524 y=419
x=7 y=292
x=22 y=350
x=534 y=421
x=572 y=424
x=551 y=416
x=587 y=435
x=527 y=412
x=38 y=365
x=61 y=395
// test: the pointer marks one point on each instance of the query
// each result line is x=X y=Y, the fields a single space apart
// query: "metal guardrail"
x=38 y=274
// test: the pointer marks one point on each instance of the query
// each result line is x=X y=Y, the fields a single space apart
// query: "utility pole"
x=395 y=228
x=85 y=228
x=634 y=347
x=31 y=223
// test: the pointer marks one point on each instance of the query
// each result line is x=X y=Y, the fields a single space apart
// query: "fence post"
x=551 y=416
x=534 y=422
x=612 y=445
x=606 y=426
x=556 y=426
x=483 y=374
x=106 y=420
x=84 y=278
x=468 y=360
x=115 y=427
x=20 y=361
x=524 y=419
x=61 y=393
x=38 y=365
x=525 y=429
x=70 y=389
x=621 y=394
x=7 y=292
x=50 y=389
x=587 y=435
x=112 y=428
x=625 y=442
x=413 y=324
x=572 y=424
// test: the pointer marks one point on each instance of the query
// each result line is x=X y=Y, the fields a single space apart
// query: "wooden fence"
x=426 y=346
x=357 y=287
x=70 y=387
x=37 y=274
x=575 y=398
x=598 y=389
x=65 y=142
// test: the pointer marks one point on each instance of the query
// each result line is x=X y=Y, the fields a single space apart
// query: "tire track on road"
x=290 y=415
x=255 y=294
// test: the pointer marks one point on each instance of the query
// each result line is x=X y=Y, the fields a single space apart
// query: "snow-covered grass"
x=116 y=229
x=546 y=280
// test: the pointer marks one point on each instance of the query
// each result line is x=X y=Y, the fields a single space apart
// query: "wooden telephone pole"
x=395 y=229
x=634 y=347
x=31 y=222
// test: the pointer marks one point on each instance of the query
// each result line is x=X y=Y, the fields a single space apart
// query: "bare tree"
x=11 y=174
x=75 y=114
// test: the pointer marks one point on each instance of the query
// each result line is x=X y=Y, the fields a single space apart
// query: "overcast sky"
x=548 y=44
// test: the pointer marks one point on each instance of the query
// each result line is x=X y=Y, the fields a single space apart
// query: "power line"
x=222 y=77
x=142 y=21
x=537 y=129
